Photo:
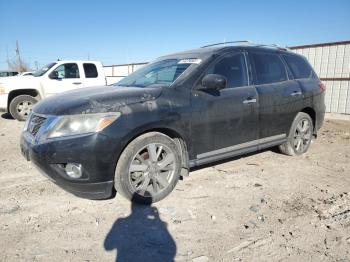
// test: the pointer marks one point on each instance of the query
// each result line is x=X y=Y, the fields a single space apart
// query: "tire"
x=21 y=106
x=300 y=136
x=145 y=177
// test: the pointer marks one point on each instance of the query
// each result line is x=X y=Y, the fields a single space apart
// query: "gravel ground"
x=260 y=207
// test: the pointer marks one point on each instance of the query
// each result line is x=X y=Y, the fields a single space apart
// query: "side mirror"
x=54 y=75
x=213 y=82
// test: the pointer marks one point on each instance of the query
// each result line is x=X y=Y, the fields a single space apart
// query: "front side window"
x=69 y=70
x=232 y=67
x=163 y=73
x=299 y=66
x=90 y=70
x=269 y=68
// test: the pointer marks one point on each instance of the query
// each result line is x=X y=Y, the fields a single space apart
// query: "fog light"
x=73 y=170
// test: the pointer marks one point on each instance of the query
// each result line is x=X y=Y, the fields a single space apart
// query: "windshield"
x=43 y=70
x=163 y=73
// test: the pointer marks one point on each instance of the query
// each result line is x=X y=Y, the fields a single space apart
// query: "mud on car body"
x=141 y=135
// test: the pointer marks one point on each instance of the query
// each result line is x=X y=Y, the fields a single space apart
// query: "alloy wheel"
x=152 y=169
x=302 y=135
x=24 y=108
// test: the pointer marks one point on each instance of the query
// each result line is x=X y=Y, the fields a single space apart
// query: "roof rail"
x=224 y=43
x=273 y=46
x=251 y=44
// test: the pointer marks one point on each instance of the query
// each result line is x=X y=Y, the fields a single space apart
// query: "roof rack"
x=251 y=44
x=224 y=43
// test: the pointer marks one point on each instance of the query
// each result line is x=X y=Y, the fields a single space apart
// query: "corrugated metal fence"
x=117 y=72
x=331 y=62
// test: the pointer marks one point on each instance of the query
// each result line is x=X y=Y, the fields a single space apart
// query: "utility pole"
x=7 y=57
x=18 y=56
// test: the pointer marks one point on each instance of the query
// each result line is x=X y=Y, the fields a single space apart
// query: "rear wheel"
x=148 y=169
x=21 y=106
x=300 y=136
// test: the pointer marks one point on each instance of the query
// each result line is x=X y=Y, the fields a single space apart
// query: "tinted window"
x=269 y=68
x=69 y=70
x=299 y=66
x=233 y=68
x=90 y=70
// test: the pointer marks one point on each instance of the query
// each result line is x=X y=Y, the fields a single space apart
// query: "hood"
x=95 y=100
x=18 y=82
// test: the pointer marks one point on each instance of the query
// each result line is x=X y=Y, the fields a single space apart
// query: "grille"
x=35 y=123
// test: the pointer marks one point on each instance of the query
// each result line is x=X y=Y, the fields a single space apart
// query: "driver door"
x=225 y=121
x=63 y=78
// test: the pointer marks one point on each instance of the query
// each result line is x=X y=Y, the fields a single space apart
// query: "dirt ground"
x=261 y=207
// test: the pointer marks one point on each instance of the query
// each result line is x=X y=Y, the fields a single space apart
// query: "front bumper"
x=95 y=152
x=3 y=102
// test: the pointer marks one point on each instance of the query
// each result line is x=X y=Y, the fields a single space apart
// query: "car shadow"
x=7 y=116
x=142 y=236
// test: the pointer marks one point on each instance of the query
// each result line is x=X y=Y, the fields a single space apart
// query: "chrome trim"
x=241 y=146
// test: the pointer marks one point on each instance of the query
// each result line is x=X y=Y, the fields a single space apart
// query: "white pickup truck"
x=19 y=94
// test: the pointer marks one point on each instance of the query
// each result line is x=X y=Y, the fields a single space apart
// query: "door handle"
x=77 y=83
x=249 y=101
x=296 y=93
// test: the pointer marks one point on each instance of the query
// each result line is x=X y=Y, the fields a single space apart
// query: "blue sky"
x=134 y=31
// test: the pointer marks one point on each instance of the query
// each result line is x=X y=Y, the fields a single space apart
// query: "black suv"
x=139 y=136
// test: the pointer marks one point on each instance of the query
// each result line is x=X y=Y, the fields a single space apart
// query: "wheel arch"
x=31 y=92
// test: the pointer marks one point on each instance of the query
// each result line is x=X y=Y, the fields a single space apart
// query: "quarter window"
x=69 y=70
x=90 y=70
x=269 y=68
x=299 y=66
x=232 y=67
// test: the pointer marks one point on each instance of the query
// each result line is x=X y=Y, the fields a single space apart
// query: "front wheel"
x=148 y=169
x=300 y=136
x=21 y=106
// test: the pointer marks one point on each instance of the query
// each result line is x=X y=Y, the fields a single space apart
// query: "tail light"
x=322 y=86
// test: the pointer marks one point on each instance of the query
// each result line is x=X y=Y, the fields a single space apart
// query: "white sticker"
x=190 y=61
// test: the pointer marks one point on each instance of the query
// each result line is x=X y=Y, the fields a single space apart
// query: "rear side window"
x=232 y=67
x=299 y=66
x=90 y=70
x=269 y=68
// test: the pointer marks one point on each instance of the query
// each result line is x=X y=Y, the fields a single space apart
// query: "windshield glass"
x=163 y=73
x=43 y=70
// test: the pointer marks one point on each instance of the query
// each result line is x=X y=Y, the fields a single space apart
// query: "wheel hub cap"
x=152 y=169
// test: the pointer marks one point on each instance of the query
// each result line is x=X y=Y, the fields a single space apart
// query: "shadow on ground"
x=142 y=236
x=6 y=116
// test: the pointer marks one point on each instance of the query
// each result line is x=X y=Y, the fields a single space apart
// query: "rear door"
x=225 y=120
x=280 y=98
x=63 y=78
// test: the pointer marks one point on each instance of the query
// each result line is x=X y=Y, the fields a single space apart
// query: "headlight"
x=2 y=89
x=26 y=123
x=80 y=124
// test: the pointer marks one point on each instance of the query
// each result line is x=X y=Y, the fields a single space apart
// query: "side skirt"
x=240 y=149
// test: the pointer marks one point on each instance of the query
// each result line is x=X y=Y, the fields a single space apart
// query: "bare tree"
x=17 y=63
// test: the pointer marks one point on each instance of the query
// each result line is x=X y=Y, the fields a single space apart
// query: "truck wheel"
x=21 y=106
x=148 y=169
x=300 y=136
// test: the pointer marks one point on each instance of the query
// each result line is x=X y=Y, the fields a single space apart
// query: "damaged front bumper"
x=93 y=151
